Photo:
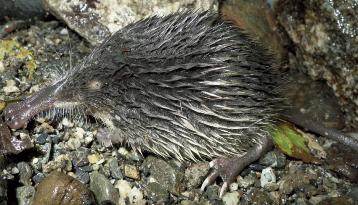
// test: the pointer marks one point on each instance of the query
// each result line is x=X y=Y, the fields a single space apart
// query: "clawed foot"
x=227 y=169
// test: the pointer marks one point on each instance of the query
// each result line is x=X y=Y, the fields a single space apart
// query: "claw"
x=229 y=168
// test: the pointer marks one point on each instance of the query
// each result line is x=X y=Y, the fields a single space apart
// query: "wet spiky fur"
x=187 y=85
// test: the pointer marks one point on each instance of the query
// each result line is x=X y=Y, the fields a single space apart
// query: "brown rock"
x=59 y=188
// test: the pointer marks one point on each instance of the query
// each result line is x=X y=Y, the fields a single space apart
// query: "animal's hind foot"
x=229 y=168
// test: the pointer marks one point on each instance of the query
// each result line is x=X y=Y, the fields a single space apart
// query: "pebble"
x=74 y=143
x=123 y=151
x=10 y=87
x=136 y=197
x=79 y=157
x=102 y=188
x=157 y=192
x=195 y=174
x=65 y=122
x=231 y=198
x=131 y=172
x=246 y=181
x=24 y=195
x=60 y=188
x=273 y=159
x=2 y=67
x=267 y=176
x=25 y=173
x=124 y=188
x=82 y=175
x=78 y=133
x=115 y=169
x=41 y=138
x=64 y=31
x=169 y=177
x=38 y=177
x=234 y=186
x=93 y=158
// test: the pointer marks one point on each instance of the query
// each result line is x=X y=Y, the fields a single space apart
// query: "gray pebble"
x=79 y=157
x=25 y=173
x=274 y=159
x=115 y=169
x=38 y=178
x=24 y=195
x=157 y=192
x=102 y=188
x=162 y=172
x=267 y=177
x=41 y=139
x=83 y=176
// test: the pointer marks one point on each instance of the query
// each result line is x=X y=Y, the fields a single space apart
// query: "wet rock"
x=195 y=174
x=324 y=36
x=38 y=178
x=157 y=192
x=212 y=193
x=93 y=158
x=354 y=193
x=131 y=172
x=273 y=159
x=256 y=196
x=231 y=198
x=246 y=181
x=162 y=172
x=25 y=173
x=24 y=195
x=136 y=197
x=96 y=20
x=79 y=157
x=41 y=139
x=9 y=144
x=21 y=9
x=124 y=188
x=82 y=175
x=102 y=188
x=116 y=172
x=59 y=188
x=294 y=181
x=343 y=161
x=267 y=177
x=337 y=200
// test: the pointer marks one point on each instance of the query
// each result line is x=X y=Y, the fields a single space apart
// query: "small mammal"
x=187 y=85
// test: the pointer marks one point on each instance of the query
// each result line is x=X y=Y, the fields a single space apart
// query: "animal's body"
x=188 y=86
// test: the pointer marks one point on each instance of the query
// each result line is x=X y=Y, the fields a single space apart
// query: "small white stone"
x=10 y=87
x=234 y=186
x=65 y=122
x=267 y=176
x=136 y=197
x=74 y=143
x=88 y=139
x=14 y=170
x=64 y=31
x=79 y=133
x=123 y=151
x=231 y=198
x=124 y=188
x=2 y=67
